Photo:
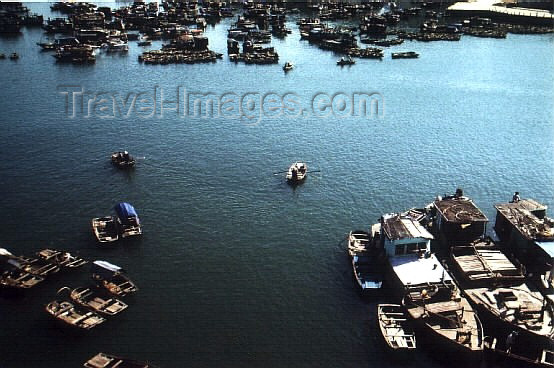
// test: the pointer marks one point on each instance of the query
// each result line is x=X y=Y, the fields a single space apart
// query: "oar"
x=312 y=171
x=280 y=172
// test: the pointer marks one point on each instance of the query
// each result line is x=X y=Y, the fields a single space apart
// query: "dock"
x=490 y=9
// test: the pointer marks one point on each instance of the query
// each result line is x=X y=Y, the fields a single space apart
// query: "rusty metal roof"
x=459 y=210
x=397 y=226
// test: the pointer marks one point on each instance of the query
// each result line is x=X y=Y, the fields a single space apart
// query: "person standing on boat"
x=516 y=198
x=511 y=340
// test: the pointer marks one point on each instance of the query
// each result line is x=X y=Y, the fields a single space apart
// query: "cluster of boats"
x=88 y=307
x=21 y=272
x=481 y=298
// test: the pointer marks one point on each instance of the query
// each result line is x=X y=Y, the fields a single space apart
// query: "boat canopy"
x=104 y=268
x=125 y=211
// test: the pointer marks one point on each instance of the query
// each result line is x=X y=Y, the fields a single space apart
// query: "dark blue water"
x=235 y=267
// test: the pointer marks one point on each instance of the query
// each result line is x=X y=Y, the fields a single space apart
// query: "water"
x=235 y=267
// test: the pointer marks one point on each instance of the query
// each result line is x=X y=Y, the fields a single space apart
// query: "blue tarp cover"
x=124 y=210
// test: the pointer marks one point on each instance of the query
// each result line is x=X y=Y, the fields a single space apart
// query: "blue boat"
x=128 y=220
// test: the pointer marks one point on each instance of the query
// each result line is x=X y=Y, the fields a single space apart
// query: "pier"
x=490 y=9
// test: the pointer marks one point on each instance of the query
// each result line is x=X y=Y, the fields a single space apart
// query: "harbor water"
x=235 y=267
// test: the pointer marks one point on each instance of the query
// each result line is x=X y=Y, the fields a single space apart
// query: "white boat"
x=297 y=172
x=395 y=327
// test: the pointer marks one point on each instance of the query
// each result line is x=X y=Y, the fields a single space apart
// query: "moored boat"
x=113 y=278
x=516 y=352
x=66 y=312
x=359 y=241
x=38 y=266
x=128 y=221
x=12 y=275
x=368 y=271
x=103 y=360
x=61 y=258
x=105 y=229
x=395 y=327
x=297 y=172
x=346 y=61
x=97 y=302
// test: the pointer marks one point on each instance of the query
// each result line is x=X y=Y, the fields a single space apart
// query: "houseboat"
x=128 y=221
x=69 y=314
x=113 y=278
x=432 y=299
x=395 y=327
x=297 y=172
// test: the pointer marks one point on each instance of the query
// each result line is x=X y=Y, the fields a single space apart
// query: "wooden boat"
x=128 y=221
x=103 y=360
x=95 y=301
x=69 y=314
x=346 y=61
x=113 y=278
x=395 y=327
x=368 y=271
x=359 y=241
x=520 y=353
x=12 y=274
x=445 y=318
x=122 y=159
x=14 y=56
x=38 y=266
x=288 y=66
x=405 y=55
x=105 y=229
x=61 y=258
x=297 y=172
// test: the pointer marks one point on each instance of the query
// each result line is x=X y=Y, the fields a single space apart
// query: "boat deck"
x=415 y=270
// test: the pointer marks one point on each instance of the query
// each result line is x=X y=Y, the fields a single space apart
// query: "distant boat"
x=395 y=327
x=95 y=301
x=103 y=360
x=105 y=229
x=405 y=55
x=144 y=43
x=113 y=278
x=14 y=56
x=346 y=61
x=288 y=66
x=73 y=316
x=128 y=221
x=297 y=172
x=122 y=159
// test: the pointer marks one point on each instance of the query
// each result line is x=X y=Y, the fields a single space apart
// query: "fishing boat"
x=47 y=46
x=346 y=61
x=73 y=316
x=405 y=55
x=103 y=360
x=14 y=56
x=113 y=278
x=38 y=266
x=441 y=315
x=128 y=221
x=288 y=66
x=95 y=301
x=122 y=159
x=12 y=274
x=395 y=327
x=297 y=172
x=359 y=241
x=518 y=352
x=2 y=56
x=61 y=258
x=105 y=229
x=144 y=43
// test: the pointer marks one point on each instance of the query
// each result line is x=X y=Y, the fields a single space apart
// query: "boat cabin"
x=458 y=219
x=408 y=247
x=128 y=220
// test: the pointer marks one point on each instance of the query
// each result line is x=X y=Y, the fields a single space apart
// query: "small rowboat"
x=358 y=242
x=395 y=328
x=297 y=172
